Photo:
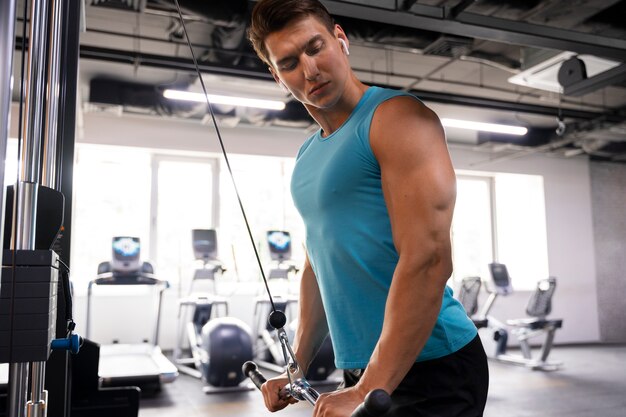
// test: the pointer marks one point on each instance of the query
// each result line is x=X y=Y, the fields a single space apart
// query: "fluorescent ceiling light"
x=229 y=100
x=485 y=127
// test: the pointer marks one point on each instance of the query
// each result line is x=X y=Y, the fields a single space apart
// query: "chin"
x=328 y=103
x=324 y=102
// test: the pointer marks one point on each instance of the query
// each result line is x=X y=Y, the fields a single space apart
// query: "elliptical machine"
x=268 y=349
x=218 y=345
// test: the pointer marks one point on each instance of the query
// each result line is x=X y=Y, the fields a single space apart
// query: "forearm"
x=312 y=325
x=411 y=312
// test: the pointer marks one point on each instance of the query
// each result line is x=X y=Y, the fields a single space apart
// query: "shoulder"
x=404 y=109
x=408 y=123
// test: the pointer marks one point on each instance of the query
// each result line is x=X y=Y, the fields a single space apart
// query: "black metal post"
x=58 y=371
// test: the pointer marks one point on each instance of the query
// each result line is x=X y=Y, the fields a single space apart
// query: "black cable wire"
x=67 y=293
x=219 y=136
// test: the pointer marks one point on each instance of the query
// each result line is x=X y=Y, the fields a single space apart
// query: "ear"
x=340 y=34
x=344 y=46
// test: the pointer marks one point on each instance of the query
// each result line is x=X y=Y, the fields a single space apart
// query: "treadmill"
x=142 y=365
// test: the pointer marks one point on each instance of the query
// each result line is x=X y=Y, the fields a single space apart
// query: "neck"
x=330 y=119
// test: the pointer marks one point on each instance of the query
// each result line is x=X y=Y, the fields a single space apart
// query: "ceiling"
x=460 y=56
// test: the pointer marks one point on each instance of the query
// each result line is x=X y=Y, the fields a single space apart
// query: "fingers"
x=276 y=403
x=338 y=403
x=274 y=396
x=318 y=409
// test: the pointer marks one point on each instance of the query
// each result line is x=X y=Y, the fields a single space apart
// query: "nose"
x=311 y=71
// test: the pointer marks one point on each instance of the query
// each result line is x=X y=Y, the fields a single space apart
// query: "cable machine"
x=28 y=351
x=32 y=273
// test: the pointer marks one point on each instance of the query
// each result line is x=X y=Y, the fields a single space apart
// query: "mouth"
x=318 y=87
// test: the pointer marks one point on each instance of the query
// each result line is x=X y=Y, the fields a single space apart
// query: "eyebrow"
x=309 y=43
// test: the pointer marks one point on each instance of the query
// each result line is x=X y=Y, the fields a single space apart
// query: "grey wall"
x=608 y=192
x=571 y=256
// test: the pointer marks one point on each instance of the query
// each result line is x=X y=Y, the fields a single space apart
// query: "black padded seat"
x=536 y=323
x=481 y=323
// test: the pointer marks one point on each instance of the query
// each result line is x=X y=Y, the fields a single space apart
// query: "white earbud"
x=344 y=46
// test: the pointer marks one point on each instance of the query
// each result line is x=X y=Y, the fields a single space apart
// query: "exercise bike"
x=536 y=324
x=218 y=344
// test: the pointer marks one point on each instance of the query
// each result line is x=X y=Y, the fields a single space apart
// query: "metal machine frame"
x=42 y=124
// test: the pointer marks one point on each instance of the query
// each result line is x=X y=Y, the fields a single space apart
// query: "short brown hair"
x=269 y=16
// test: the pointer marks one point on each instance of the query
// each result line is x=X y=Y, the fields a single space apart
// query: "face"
x=309 y=61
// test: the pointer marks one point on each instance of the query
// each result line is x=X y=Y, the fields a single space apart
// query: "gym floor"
x=592 y=383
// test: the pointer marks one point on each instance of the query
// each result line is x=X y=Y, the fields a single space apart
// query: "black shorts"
x=451 y=386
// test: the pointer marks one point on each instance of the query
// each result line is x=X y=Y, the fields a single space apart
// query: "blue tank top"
x=336 y=187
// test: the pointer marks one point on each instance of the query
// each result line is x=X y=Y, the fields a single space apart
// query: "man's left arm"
x=419 y=186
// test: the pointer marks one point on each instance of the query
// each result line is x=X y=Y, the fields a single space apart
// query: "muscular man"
x=376 y=190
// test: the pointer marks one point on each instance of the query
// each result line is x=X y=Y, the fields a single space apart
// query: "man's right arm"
x=312 y=325
x=311 y=332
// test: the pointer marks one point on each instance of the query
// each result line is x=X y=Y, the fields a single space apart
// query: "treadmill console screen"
x=204 y=243
x=280 y=245
x=126 y=253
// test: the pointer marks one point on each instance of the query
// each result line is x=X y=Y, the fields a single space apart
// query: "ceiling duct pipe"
x=229 y=18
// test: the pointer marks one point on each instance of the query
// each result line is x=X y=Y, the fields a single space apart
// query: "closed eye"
x=314 y=48
x=288 y=65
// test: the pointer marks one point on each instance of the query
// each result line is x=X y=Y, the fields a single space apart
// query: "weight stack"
x=28 y=305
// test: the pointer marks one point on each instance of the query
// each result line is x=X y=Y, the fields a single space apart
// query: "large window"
x=160 y=198
x=183 y=200
x=472 y=233
x=521 y=228
x=111 y=198
x=500 y=217
x=264 y=186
